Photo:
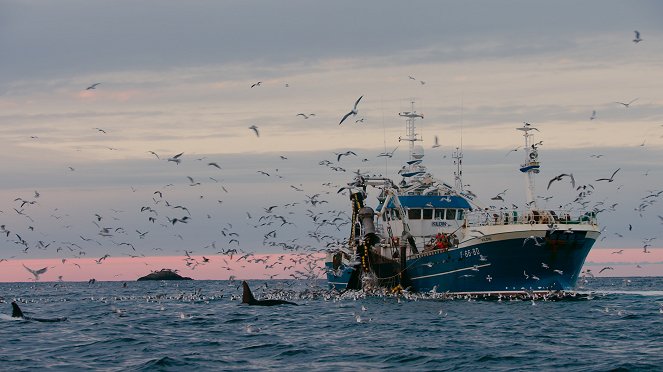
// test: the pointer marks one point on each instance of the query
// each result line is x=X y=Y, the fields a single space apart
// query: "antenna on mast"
x=531 y=165
x=458 y=155
x=410 y=131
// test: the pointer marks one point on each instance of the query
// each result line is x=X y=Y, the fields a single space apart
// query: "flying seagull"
x=347 y=153
x=611 y=177
x=437 y=142
x=388 y=154
x=627 y=104
x=593 y=115
x=255 y=129
x=36 y=273
x=93 y=86
x=353 y=112
x=559 y=178
x=637 y=37
x=176 y=159
x=256 y=84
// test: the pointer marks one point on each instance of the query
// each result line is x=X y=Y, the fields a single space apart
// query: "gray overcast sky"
x=175 y=77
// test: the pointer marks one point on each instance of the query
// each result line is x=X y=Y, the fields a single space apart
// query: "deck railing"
x=514 y=217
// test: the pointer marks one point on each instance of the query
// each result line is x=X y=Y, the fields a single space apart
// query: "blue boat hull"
x=498 y=266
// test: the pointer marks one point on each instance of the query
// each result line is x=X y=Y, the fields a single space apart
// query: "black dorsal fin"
x=247 y=296
x=16 y=311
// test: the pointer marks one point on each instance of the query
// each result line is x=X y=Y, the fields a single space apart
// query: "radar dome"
x=418 y=152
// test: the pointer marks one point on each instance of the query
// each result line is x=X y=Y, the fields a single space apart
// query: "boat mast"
x=458 y=155
x=458 y=174
x=410 y=131
x=531 y=165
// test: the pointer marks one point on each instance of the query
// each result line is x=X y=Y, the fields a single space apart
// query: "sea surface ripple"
x=611 y=324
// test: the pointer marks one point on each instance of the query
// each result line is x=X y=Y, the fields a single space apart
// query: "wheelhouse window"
x=414 y=214
x=451 y=214
x=460 y=215
x=427 y=214
x=439 y=214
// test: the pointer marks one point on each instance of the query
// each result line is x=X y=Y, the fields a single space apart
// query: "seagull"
x=388 y=154
x=100 y=130
x=593 y=115
x=611 y=177
x=529 y=125
x=437 y=142
x=213 y=164
x=559 y=178
x=637 y=37
x=347 y=153
x=305 y=116
x=536 y=241
x=93 y=86
x=606 y=268
x=36 y=273
x=618 y=252
x=256 y=84
x=255 y=129
x=176 y=159
x=154 y=153
x=353 y=112
x=627 y=104
x=102 y=258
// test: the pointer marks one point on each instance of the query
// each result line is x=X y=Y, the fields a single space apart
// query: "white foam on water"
x=617 y=292
x=8 y=317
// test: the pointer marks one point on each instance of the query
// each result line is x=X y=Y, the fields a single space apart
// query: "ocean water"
x=611 y=324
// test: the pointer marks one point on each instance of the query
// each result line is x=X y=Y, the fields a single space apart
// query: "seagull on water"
x=353 y=112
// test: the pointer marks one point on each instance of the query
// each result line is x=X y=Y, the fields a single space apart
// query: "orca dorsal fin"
x=16 y=311
x=247 y=296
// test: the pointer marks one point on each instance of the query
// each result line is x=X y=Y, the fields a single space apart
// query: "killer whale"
x=17 y=313
x=247 y=298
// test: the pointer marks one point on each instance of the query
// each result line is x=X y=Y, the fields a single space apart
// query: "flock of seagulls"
x=322 y=219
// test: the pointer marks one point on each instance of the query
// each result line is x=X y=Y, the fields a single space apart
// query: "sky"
x=175 y=77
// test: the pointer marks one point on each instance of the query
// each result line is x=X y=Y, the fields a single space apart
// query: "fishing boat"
x=427 y=235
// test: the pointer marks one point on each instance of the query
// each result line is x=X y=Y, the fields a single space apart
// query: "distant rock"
x=164 y=274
